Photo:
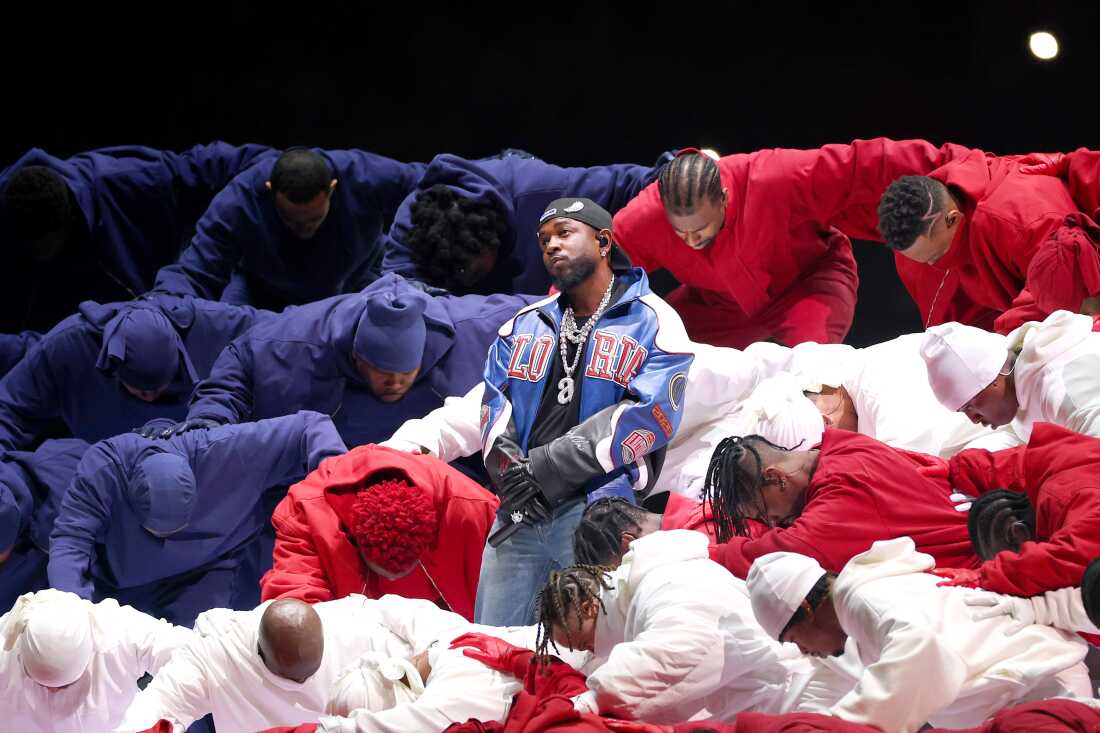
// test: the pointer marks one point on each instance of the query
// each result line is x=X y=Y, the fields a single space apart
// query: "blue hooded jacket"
x=242 y=230
x=59 y=377
x=521 y=188
x=137 y=207
x=14 y=346
x=31 y=488
x=302 y=360
x=98 y=543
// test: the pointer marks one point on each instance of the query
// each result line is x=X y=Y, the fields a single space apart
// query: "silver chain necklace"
x=578 y=336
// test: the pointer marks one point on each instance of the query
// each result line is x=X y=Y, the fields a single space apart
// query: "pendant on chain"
x=565 y=390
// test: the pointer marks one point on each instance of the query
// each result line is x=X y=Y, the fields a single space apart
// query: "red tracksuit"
x=863 y=491
x=777 y=269
x=315 y=560
x=1009 y=218
x=1058 y=470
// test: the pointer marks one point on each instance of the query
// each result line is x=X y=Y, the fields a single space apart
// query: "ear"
x=590 y=608
x=952 y=218
x=773 y=475
x=624 y=542
x=331 y=185
x=725 y=197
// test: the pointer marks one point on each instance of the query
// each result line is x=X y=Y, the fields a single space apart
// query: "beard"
x=574 y=274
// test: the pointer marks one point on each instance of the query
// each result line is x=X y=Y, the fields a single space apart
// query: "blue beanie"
x=391 y=332
x=162 y=492
x=145 y=350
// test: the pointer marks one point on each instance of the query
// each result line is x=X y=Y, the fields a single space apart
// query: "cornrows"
x=562 y=595
x=733 y=484
x=686 y=180
x=598 y=537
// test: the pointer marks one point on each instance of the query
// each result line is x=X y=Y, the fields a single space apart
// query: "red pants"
x=1045 y=716
x=819 y=307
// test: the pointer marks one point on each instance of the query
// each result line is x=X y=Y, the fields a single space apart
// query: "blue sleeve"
x=500 y=447
x=81 y=522
x=206 y=169
x=282 y=450
x=397 y=257
x=226 y=395
x=613 y=186
x=29 y=396
x=14 y=346
x=205 y=266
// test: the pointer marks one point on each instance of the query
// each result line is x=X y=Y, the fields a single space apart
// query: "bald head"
x=291 y=640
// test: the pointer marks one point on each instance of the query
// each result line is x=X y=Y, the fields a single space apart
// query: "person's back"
x=502 y=198
x=117 y=215
x=305 y=226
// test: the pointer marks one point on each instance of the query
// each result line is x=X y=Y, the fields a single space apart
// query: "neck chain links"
x=571 y=334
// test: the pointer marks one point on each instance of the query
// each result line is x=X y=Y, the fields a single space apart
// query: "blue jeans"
x=514 y=573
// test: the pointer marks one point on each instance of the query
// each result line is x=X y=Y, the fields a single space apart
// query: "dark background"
x=576 y=84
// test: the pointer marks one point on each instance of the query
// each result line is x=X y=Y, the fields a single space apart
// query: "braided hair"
x=563 y=594
x=449 y=231
x=686 y=180
x=598 y=537
x=907 y=209
x=734 y=485
x=1000 y=520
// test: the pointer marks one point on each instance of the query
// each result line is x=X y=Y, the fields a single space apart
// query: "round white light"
x=1043 y=45
x=711 y=152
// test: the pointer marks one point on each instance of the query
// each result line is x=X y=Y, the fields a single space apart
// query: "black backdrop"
x=575 y=84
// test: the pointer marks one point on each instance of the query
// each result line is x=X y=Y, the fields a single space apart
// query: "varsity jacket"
x=631 y=380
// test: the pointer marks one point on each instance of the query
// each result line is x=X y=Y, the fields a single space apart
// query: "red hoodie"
x=862 y=491
x=315 y=560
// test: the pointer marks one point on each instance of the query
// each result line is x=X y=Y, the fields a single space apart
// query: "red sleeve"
x=1066 y=268
x=1023 y=309
x=296 y=570
x=1057 y=563
x=642 y=230
x=976 y=471
x=841 y=184
x=793 y=723
x=1083 y=179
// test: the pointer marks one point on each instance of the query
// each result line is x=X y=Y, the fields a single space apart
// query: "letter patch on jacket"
x=662 y=420
x=615 y=358
x=530 y=363
x=637 y=444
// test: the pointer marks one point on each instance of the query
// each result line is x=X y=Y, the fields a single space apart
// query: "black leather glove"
x=154 y=428
x=195 y=423
x=520 y=493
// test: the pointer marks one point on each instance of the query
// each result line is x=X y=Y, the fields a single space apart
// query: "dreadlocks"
x=598 y=538
x=1000 y=520
x=686 y=180
x=734 y=482
x=563 y=595
x=448 y=231
x=907 y=209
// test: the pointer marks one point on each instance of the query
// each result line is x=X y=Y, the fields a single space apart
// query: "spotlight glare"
x=1043 y=45
x=711 y=152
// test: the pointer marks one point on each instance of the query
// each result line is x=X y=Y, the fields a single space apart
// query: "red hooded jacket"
x=315 y=560
x=1058 y=470
x=862 y=491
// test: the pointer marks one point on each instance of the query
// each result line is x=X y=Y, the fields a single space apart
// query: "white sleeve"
x=148 y=641
x=449 y=432
x=1002 y=438
x=457 y=690
x=914 y=676
x=418 y=622
x=678 y=657
x=1063 y=609
x=179 y=693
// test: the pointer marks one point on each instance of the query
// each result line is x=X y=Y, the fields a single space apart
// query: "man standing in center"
x=582 y=392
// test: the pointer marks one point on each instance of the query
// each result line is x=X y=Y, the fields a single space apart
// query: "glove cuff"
x=555 y=489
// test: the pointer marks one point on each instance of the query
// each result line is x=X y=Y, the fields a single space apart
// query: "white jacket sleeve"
x=149 y=642
x=449 y=432
x=418 y=622
x=457 y=690
x=914 y=676
x=180 y=692
x=1063 y=609
x=678 y=657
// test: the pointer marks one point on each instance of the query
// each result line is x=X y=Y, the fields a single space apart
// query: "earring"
x=603 y=253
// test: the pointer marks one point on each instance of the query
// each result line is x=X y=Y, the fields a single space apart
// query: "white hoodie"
x=1057 y=374
x=679 y=640
x=220 y=671
x=927 y=660
x=126 y=645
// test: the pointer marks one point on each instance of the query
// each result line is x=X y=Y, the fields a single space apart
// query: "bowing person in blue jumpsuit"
x=113 y=367
x=294 y=230
x=370 y=360
x=470 y=226
x=31 y=488
x=98 y=225
x=170 y=526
